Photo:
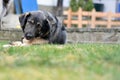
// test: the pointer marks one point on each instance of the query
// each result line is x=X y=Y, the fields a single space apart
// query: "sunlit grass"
x=60 y=62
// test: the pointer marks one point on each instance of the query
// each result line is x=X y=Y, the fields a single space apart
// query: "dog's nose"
x=29 y=36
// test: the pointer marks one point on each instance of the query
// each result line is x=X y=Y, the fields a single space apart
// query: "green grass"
x=60 y=62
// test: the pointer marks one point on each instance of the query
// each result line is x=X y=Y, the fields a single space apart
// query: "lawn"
x=60 y=62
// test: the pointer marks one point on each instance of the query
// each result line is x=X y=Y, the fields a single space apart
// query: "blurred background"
x=12 y=8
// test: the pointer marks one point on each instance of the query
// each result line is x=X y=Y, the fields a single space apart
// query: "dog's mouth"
x=29 y=36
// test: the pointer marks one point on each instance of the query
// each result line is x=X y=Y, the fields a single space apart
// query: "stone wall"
x=74 y=35
x=97 y=35
x=10 y=34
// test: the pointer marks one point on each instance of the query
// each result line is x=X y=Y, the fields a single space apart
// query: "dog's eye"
x=31 y=21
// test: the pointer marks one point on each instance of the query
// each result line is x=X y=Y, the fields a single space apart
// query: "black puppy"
x=44 y=25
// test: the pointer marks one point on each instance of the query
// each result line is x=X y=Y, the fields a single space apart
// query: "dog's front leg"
x=50 y=39
x=22 y=38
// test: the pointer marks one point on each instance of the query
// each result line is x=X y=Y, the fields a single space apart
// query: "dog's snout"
x=29 y=36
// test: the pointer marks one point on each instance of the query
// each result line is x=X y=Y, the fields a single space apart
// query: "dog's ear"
x=23 y=19
x=53 y=23
x=51 y=20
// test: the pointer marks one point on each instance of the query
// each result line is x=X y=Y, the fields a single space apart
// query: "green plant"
x=86 y=5
x=81 y=3
x=74 y=5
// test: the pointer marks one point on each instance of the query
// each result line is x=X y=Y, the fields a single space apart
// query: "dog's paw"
x=7 y=45
x=35 y=41
x=14 y=44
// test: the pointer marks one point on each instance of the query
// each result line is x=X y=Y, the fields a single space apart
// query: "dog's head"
x=34 y=24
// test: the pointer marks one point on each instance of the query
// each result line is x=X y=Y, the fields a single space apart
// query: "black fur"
x=44 y=25
x=5 y=2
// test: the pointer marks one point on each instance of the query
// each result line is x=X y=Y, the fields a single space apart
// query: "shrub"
x=86 y=5
x=74 y=5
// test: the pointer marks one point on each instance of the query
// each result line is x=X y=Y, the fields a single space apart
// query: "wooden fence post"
x=109 y=20
x=93 y=14
x=80 y=18
x=93 y=18
x=69 y=18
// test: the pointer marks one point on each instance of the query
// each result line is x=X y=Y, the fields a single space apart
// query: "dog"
x=43 y=25
x=40 y=27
